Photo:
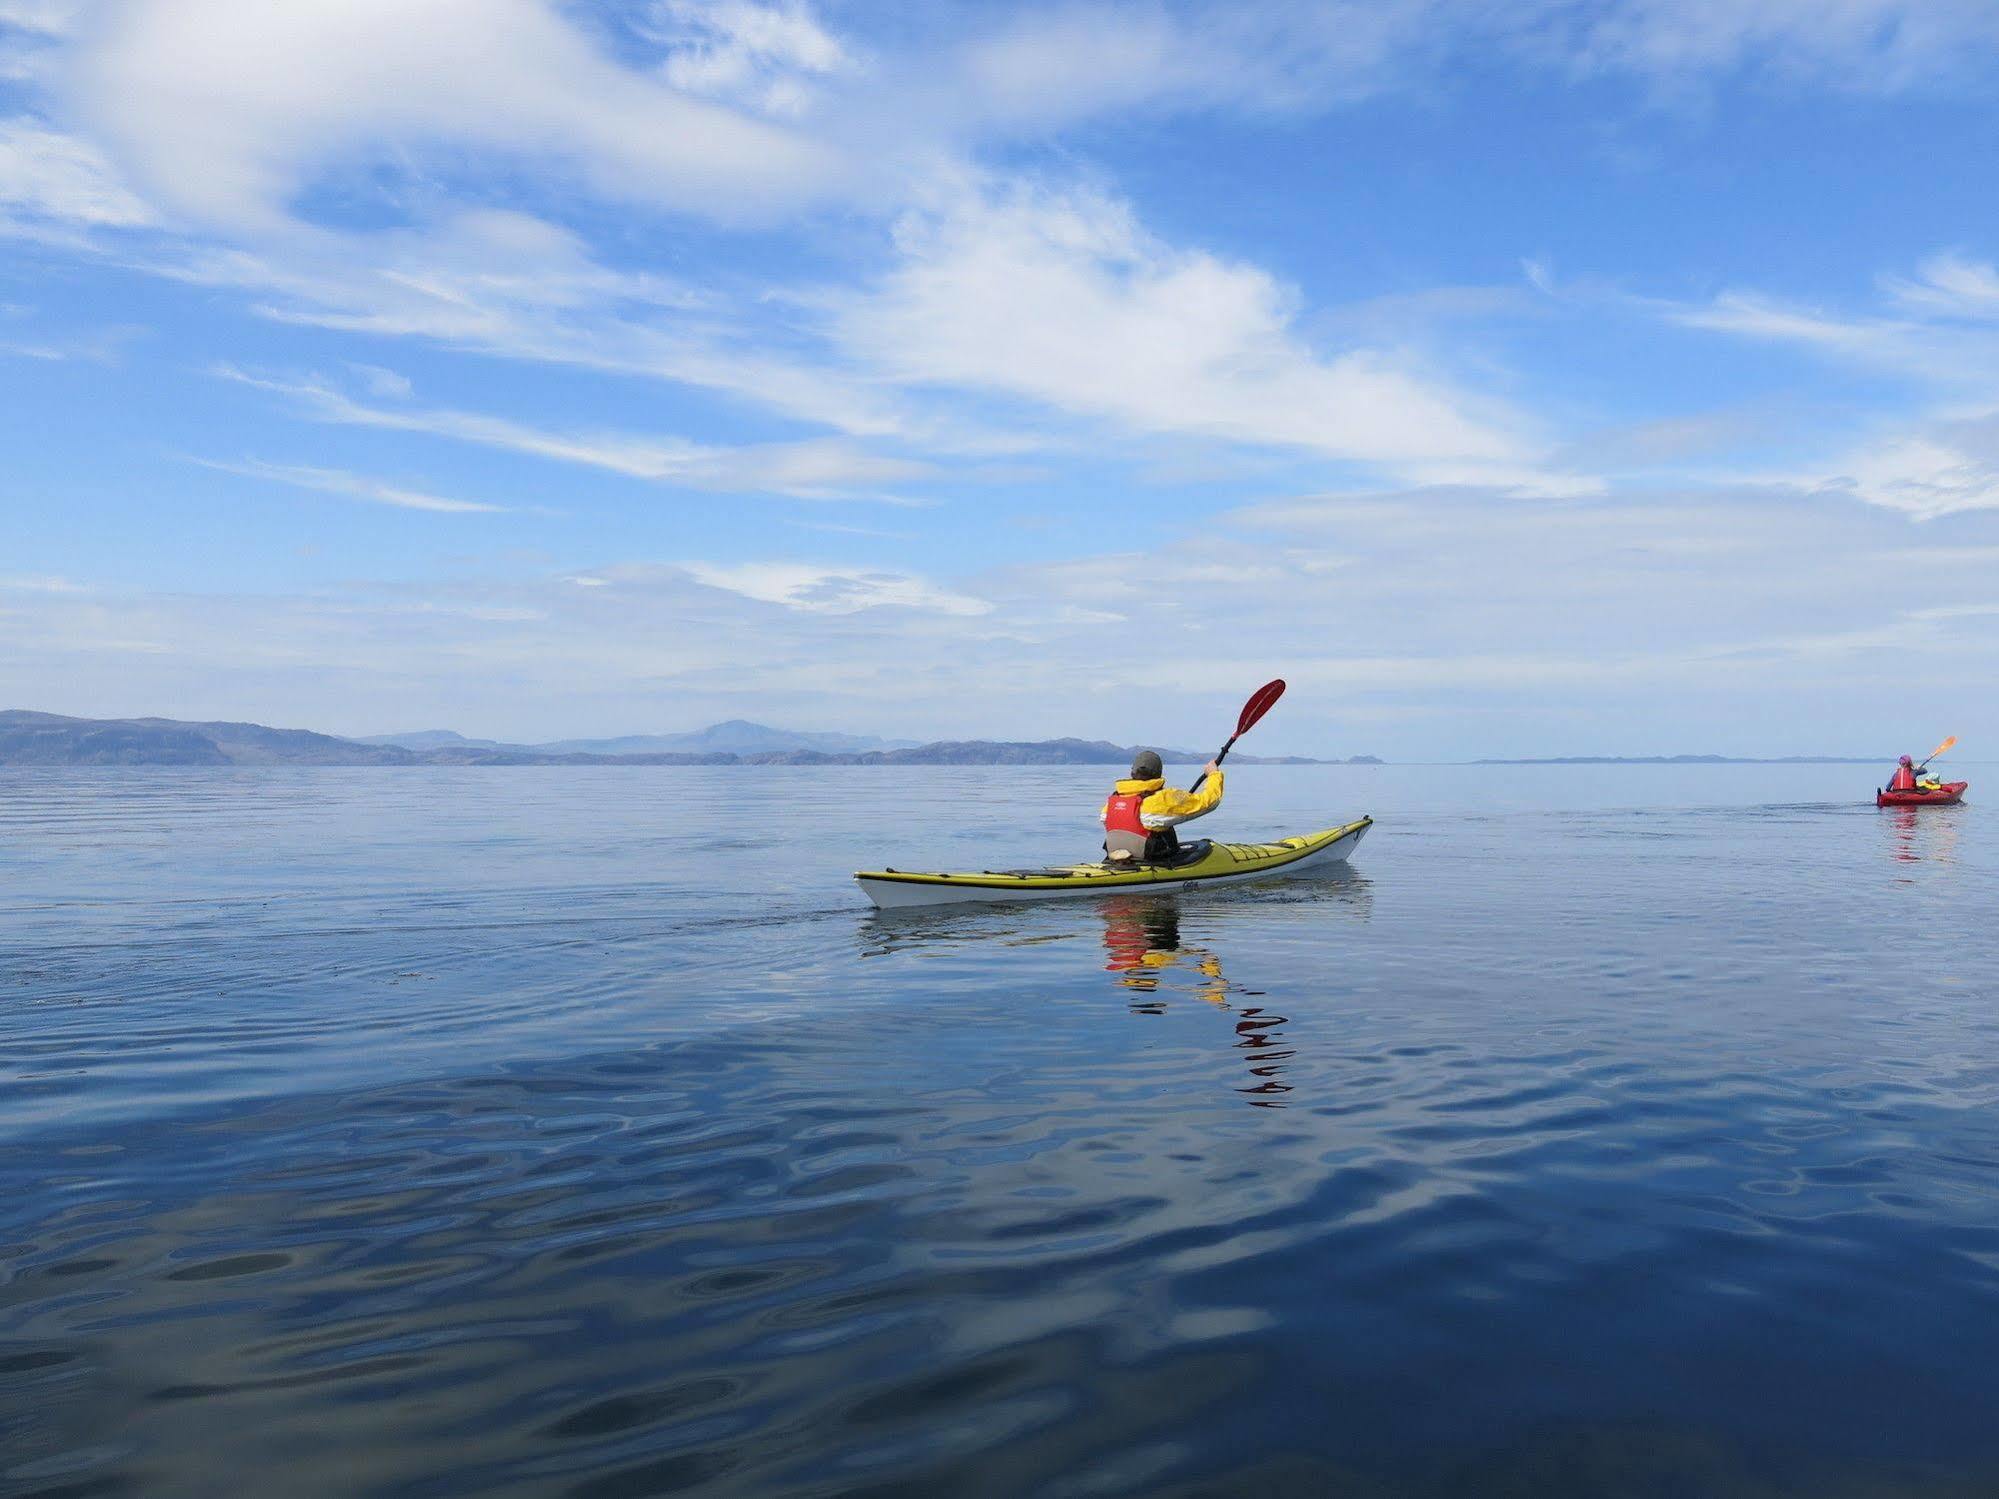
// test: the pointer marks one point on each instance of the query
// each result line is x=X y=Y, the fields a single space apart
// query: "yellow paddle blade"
x=1939 y=749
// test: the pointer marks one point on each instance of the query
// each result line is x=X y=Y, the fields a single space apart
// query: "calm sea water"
x=433 y=1133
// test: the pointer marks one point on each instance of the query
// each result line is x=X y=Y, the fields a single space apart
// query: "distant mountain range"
x=50 y=739
x=735 y=737
x=1696 y=760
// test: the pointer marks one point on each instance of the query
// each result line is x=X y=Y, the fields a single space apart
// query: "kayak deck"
x=1222 y=861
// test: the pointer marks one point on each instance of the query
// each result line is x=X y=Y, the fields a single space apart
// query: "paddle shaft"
x=1203 y=776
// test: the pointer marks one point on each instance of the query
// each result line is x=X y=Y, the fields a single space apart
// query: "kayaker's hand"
x=1212 y=768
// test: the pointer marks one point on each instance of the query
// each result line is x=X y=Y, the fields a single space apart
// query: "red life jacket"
x=1121 y=813
x=1905 y=779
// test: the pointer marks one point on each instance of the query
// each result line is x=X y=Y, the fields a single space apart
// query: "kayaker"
x=1142 y=811
x=1904 y=778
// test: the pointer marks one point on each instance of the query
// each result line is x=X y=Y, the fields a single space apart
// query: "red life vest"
x=1905 y=779
x=1121 y=813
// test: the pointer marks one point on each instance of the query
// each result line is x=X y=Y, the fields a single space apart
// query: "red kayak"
x=1948 y=794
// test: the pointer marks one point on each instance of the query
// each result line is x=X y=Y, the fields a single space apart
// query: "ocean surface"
x=548 y=1131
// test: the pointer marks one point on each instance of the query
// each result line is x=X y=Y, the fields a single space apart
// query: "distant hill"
x=1696 y=760
x=50 y=739
x=1052 y=752
x=45 y=739
x=737 y=736
x=429 y=739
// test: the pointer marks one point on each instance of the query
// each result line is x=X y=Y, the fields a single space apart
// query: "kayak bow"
x=1222 y=861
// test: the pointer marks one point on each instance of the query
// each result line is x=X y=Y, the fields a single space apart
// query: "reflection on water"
x=1144 y=948
x=1142 y=942
x=1923 y=834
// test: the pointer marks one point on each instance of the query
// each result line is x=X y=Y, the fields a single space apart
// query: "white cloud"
x=1061 y=298
x=1937 y=340
x=47 y=17
x=1873 y=46
x=51 y=175
x=226 y=111
x=1957 y=611
x=1950 y=285
x=825 y=590
x=99 y=346
x=1754 y=316
x=763 y=56
x=353 y=486
x=1941 y=468
x=384 y=384
x=814 y=469
x=1051 y=66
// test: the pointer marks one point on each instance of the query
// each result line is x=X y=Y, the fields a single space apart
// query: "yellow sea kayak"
x=1201 y=864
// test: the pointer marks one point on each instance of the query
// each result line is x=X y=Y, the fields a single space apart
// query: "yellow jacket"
x=1166 y=806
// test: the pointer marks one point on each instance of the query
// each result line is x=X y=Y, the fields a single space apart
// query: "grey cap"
x=1145 y=766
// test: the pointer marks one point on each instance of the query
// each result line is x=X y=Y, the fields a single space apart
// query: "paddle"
x=1937 y=751
x=1260 y=702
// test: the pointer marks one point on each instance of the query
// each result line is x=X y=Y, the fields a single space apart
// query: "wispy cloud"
x=49 y=175
x=824 y=590
x=511 y=285
x=384 y=384
x=1949 y=285
x=1867 y=46
x=766 y=57
x=1935 y=330
x=89 y=346
x=350 y=486
x=1927 y=470
x=47 y=17
x=822 y=469
x=834 y=528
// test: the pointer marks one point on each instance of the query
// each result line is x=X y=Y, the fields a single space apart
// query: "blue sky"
x=1513 y=378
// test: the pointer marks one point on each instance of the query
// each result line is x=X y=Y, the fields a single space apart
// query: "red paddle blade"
x=1260 y=703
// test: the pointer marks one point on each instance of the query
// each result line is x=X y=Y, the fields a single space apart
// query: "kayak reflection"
x=1922 y=835
x=1143 y=948
x=1142 y=941
x=1158 y=949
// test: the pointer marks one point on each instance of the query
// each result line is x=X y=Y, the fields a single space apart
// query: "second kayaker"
x=1142 y=811
x=1904 y=778
x=1911 y=777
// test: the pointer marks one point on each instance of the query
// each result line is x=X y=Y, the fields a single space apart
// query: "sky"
x=1513 y=377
